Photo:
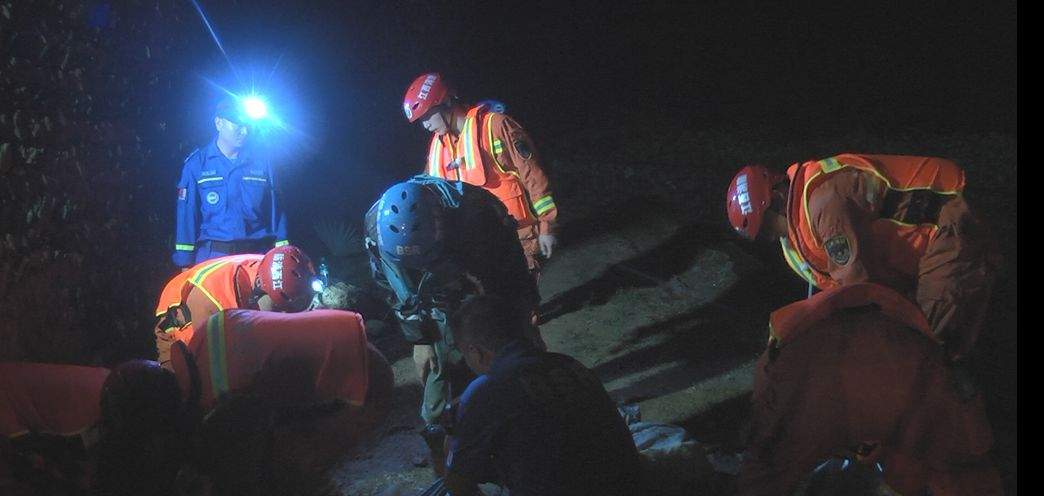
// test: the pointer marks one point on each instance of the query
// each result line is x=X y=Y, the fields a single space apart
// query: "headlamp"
x=254 y=107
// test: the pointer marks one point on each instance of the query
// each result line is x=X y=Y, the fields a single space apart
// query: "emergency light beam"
x=255 y=108
x=214 y=36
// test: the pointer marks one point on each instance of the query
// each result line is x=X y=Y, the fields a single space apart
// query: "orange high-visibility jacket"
x=905 y=235
x=226 y=282
x=238 y=344
x=220 y=279
x=49 y=399
x=476 y=157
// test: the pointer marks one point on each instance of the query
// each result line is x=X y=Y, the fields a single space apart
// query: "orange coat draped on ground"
x=855 y=366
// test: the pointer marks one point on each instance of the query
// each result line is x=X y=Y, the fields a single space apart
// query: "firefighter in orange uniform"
x=855 y=372
x=901 y=221
x=482 y=146
x=280 y=280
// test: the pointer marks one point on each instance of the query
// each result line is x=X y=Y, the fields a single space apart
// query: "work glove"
x=547 y=244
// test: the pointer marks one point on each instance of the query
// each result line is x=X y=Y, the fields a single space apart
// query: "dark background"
x=103 y=100
x=787 y=69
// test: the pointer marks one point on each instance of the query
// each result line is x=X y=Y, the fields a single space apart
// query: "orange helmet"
x=286 y=275
x=749 y=195
x=427 y=92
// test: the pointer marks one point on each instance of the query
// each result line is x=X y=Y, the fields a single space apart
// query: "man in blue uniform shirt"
x=227 y=202
x=536 y=422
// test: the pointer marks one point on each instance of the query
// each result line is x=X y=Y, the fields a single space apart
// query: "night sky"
x=792 y=69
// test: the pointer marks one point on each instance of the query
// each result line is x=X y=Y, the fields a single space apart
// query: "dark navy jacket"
x=542 y=424
x=224 y=200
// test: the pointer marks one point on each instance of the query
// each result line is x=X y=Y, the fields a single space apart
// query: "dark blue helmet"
x=409 y=225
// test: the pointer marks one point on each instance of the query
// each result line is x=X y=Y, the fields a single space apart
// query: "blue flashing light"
x=317 y=286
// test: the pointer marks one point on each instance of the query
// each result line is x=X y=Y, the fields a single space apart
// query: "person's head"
x=756 y=203
x=139 y=397
x=430 y=100
x=841 y=476
x=231 y=123
x=144 y=430
x=284 y=280
x=410 y=226
x=484 y=326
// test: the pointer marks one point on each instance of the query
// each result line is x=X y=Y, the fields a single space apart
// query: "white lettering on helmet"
x=426 y=87
x=407 y=250
x=277 y=271
x=742 y=195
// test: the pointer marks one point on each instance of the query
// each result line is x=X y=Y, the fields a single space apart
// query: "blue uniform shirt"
x=224 y=200
x=542 y=424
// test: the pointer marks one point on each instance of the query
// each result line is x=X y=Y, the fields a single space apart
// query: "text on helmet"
x=426 y=86
x=742 y=195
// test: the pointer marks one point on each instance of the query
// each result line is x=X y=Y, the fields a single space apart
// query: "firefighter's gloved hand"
x=548 y=242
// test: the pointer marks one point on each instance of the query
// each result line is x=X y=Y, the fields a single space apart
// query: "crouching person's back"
x=538 y=423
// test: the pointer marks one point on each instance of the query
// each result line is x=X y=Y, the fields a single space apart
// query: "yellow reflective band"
x=804 y=204
x=796 y=263
x=282 y=243
x=169 y=307
x=252 y=178
x=498 y=147
x=830 y=164
x=202 y=274
x=181 y=247
x=489 y=134
x=434 y=156
x=467 y=137
x=216 y=350
x=209 y=179
x=197 y=281
x=544 y=205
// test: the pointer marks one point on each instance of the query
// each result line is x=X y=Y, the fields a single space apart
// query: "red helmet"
x=750 y=194
x=427 y=92
x=286 y=275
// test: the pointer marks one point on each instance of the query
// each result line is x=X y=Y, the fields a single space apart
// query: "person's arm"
x=492 y=255
x=841 y=224
x=471 y=448
x=186 y=216
x=518 y=151
x=278 y=215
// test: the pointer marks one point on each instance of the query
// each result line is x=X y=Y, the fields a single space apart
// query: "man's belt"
x=238 y=247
